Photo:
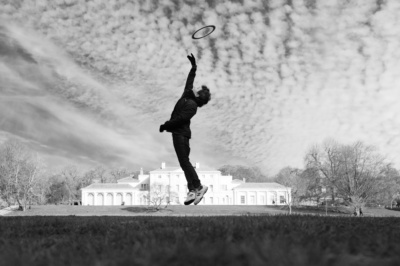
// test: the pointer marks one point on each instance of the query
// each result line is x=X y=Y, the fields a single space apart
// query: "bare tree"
x=252 y=174
x=118 y=173
x=291 y=178
x=157 y=195
x=29 y=179
x=13 y=158
x=352 y=170
x=6 y=181
x=41 y=188
x=389 y=187
x=101 y=174
x=72 y=180
x=97 y=173
x=19 y=172
x=58 y=191
x=313 y=185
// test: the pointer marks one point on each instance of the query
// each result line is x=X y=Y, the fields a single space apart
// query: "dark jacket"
x=184 y=109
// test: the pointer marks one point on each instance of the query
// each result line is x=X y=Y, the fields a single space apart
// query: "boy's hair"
x=204 y=95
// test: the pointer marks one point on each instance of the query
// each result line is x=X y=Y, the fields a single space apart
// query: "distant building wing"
x=271 y=185
x=101 y=186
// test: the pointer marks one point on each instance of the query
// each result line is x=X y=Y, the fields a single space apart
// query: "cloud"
x=283 y=76
x=48 y=99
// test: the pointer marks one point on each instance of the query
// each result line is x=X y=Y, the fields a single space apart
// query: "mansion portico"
x=170 y=183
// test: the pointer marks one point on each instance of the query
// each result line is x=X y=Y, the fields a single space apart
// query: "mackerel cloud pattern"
x=92 y=81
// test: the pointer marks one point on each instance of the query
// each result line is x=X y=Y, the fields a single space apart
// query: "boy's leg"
x=196 y=190
x=182 y=149
x=200 y=191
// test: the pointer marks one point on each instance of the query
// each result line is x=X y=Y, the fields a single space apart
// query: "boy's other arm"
x=186 y=114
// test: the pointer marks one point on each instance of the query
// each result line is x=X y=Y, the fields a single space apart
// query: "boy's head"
x=203 y=95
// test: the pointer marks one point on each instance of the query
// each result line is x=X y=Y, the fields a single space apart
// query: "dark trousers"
x=182 y=149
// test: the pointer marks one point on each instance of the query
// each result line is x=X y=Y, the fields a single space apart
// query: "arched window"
x=100 y=199
x=118 y=199
x=128 y=200
x=109 y=199
x=90 y=199
x=273 y=198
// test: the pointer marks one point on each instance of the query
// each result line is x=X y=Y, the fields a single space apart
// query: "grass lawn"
x=173 y=210
x=345 y=211
x=191 y=210
x=208 y=240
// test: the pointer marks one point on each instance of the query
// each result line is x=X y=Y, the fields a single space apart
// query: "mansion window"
x=144 y=186
x=251 y=199
x=262 y=199
x=211 y=200
x=224 y=187
x=211 y=188
x=273 y=198
x=282 y=199
x=242 y=199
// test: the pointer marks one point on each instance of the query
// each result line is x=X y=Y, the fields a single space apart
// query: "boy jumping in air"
x=179 y=126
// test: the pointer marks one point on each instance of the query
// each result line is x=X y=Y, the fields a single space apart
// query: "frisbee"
x=203 y=32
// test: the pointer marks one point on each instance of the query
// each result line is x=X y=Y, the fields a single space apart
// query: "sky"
x=90 y=82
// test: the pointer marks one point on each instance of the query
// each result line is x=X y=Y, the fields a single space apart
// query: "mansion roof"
x=272 y=185
x=128 y=179
x=178 y=169
x=168 y=169
x=109 y=186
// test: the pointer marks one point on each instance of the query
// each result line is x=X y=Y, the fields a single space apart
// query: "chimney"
x=141 y=171
x=163 y=165
x=244 y=180
x=197 y=165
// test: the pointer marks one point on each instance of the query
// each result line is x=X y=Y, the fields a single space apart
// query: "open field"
x=214 y=240
x=199 y=210
x=174 y=210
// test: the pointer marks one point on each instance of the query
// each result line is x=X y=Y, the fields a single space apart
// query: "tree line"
x=353 y=174
x=25 y=179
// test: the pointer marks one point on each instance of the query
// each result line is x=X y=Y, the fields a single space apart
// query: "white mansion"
x=170 y=183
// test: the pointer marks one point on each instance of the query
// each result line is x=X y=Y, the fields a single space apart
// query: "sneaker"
x=200 y=193
x=191 y=196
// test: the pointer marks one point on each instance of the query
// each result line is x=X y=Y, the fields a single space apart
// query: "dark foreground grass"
x=223 y=240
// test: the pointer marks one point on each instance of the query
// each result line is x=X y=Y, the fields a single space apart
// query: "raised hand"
x=192 y=59
x=162 y=128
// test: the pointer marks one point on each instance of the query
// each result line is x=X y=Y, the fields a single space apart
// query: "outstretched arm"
x=192 y=73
